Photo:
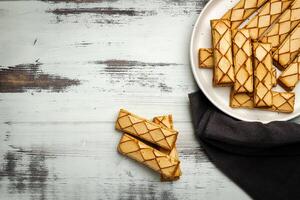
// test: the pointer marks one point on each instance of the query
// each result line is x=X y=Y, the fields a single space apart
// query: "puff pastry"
x=283 y=102
x=262 y=74
x=266 y=16
x=288 y=50
x=274 y=75
x=223 y=74
x=146 y=130
x=286 y=23
x=241 y=11
x=242 y=51
x=205 y=58
x=147 y=155
x=291 y=75
x=167 y=122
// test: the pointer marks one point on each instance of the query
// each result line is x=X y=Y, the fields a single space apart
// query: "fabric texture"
x=263 y=159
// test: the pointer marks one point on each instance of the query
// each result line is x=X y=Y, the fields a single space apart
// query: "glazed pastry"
x=288 y=50
x=241 y=11
x=262 y=74
x=167 y=122
x=286 y=23
x=291 y=75
x=223 y=74
x=282 y=101
x=242 y=51
x=266 y=16
x=274 y=75
x=241 y=100
x=146 y=130
x=205 y=58
x=147 y=155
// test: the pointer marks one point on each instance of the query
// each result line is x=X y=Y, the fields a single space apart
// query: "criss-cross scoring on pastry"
x=222 y=53
x=205 y=58
x=242 y=51
x=167 y=121
x=262 y=74
x=266 y=16
x=156 y=160
x=288 y=50
x=281 y=29
x=147 y=130
x=291 y=75
x=241 y=11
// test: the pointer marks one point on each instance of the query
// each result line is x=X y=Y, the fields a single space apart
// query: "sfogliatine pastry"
x=280 y=29
x=274 y=75
x=241 y=11
x=288 y=50
x=167 y=121
x=205 y=58
x=262 y=74
x=266 y=16
x=291 y=75
x=223 y=71
x=242 y=51
x=146 y=130
x=283 y=102
x=156 y=160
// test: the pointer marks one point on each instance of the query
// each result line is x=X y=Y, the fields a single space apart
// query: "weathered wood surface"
x=66 y=69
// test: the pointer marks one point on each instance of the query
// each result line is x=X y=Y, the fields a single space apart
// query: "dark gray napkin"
x=263 y=159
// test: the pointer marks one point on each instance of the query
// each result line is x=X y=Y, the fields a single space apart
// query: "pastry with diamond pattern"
x=281 y=29
x=288 y=50
x=241 y=11
x=154 y=159
x=167 y=121
x=291 y=75
x=205 y=58
x=282 y=101
x=262 y=74
x=266 y=16
x=146 y=130
x=242 y=51
x=240 y=100
x=223 y=74
x=274 y=75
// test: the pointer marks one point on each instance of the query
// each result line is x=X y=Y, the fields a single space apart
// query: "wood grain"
x=60 y=142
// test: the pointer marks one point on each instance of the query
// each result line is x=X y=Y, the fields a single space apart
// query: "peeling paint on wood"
x=103 y=11
x=22 y=77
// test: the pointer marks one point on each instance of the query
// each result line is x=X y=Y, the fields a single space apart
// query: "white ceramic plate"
x=219 y=96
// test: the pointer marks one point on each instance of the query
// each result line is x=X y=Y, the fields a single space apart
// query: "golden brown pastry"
x=241 y=11
x=288 y=50
x=205 y=58
x=291 y=75
x=241 y=100
x=223 y=74
x=274 y=75
x=262 y=74
x=167 y=121
x=266 y=16
x=147 y=155
x=286 y=23
x=146 y=130
x=242 y=51
x=282 y=101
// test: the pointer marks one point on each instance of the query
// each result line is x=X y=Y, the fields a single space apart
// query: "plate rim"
x=194 y=67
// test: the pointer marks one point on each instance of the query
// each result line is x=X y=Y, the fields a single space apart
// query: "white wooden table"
x=66 y=70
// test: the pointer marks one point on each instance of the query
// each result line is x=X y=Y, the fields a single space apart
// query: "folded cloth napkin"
x=263 y=159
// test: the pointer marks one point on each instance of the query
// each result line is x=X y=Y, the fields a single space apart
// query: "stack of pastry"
x=243 y=53
x=152 y=143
